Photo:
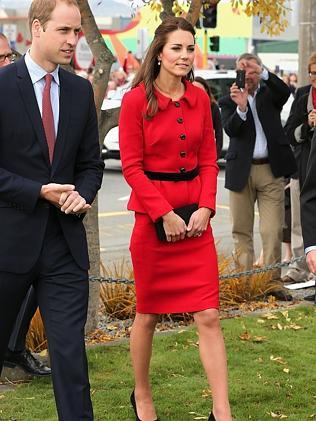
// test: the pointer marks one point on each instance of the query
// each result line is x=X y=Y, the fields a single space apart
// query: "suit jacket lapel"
x=64 y=113
x=28 y=96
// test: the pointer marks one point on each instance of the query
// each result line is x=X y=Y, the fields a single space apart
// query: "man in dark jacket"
x=17 y=353
x=258 y=157
x=50 y=172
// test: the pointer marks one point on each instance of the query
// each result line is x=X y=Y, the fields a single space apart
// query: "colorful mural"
x=234 y=29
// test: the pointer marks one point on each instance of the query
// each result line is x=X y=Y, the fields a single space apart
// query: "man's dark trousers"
x=22 y=323
x=62 y=292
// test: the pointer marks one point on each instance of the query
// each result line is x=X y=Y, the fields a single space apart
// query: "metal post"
x=205 y=49
x=307 y=38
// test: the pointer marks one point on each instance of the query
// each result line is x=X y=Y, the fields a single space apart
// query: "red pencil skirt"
x=173 y=277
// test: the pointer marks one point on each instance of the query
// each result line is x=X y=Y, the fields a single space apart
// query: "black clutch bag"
x=184 y=212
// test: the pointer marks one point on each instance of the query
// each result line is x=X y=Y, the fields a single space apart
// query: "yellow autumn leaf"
x=245 y=336
x=259 y=339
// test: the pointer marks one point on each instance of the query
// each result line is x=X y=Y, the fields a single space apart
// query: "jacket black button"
x=182 y=169
x=177 y=104
x=182 y=136
x=180 y=120
x=183 y=154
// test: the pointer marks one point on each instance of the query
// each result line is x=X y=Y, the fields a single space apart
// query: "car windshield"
x=220 y=87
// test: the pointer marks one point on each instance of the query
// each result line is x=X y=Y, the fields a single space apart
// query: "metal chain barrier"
x=264 y=269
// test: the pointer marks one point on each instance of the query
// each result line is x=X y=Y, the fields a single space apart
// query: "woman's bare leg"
x=213 y=357
x=141 y=348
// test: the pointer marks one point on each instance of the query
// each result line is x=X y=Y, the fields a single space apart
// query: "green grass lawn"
x=272 y=373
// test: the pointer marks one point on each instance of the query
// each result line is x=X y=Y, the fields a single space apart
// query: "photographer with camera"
x=258 y=157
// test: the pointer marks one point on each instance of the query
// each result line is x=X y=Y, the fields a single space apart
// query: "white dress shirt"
x=261 y=145
x=37 y=74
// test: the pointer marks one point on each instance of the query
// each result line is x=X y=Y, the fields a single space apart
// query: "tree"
x=272 y=13
x=107 y=120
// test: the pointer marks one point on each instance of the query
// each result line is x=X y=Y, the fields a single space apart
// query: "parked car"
x=219 y=82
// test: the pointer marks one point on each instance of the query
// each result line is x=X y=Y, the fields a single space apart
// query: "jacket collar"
x=189 y=96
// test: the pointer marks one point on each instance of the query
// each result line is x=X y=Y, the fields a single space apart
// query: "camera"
x=240 y=78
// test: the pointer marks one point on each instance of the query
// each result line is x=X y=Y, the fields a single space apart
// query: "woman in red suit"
x=168 y=157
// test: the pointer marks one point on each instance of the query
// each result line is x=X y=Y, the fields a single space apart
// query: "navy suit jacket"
x=272 y=95
x=25 y=166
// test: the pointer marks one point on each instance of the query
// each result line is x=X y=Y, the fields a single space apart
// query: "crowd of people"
x=170 y=133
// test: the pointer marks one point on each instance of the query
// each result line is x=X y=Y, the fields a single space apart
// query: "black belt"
x=173 y=176
x=260 y=161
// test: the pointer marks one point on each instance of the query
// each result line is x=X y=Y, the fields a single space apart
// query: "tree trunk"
x=307 y=38
x=104 y=59
x=167 y=9
x=194 y=11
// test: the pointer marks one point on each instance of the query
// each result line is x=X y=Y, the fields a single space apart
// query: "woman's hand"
x=199 y=222
x=174 y=227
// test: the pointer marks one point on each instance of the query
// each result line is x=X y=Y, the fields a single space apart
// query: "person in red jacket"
x=168 y=157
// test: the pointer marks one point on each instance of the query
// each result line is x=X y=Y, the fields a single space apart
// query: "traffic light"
x=214 y=43
x=210 y=16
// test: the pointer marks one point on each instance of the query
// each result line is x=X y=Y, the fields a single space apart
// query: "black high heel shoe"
x=133 y=402
x=211 y=417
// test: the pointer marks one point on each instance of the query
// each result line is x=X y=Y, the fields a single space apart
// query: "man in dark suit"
x=258 y=157
x=308 y=210
x=50 y=172
x=299 y=128
x=17 y=353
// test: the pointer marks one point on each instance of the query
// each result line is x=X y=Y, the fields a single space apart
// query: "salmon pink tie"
x=48 y=117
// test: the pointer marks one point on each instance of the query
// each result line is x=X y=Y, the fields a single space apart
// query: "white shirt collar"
x=37 y=72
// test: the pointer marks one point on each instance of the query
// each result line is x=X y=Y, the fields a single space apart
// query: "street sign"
x=83 y=55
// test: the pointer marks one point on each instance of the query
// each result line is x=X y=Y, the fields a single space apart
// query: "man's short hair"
x=311 y=60
x=42 y=10
x=249 y=56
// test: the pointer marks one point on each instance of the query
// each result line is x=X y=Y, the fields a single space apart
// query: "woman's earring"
x=159 y=61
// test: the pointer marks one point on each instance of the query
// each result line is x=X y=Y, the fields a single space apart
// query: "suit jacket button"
x=182 y=136
x=182 y=169
x=183 y=154
x=180 y=120
x=177 y=104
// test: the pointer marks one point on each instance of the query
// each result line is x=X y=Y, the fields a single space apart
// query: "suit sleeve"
x=19 y=192
x=207 y=162
x=279 y=91
x=89 y=166
x=233 y=124
x=132 y=153
x=308 y=199
x=298 y=118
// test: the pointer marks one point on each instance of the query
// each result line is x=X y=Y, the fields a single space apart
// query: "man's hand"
x=198 y=222
x=174 y=227
x=250 y=66
x=72 y=202
x=64 y=197
x=311 y=261
x=239 y=97
x=52 y=191
x=312 y=118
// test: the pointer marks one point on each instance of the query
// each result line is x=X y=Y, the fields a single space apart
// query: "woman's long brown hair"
x=149 y=69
